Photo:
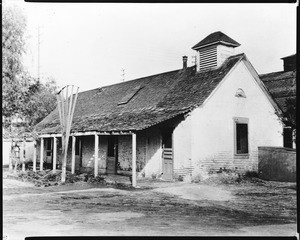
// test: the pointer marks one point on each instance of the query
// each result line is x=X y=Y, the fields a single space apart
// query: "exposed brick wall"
x=148 y=152
x=125 y=152
x=88 y=153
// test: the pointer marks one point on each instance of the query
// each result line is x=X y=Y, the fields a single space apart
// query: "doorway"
x=112 y=155
x=167 y=154
x=49 y=153
x=78 y=153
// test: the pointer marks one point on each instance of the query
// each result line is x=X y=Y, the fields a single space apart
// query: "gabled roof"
x=281 y=85
x=160 y=97
x=216 y=37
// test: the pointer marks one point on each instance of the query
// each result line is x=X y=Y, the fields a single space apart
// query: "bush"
x=98 y=179
x=180 y=178
x=251 y=174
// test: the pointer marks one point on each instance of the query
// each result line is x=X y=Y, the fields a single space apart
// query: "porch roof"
x=157 y=98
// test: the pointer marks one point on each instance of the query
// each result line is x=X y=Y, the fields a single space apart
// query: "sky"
x=88 y=44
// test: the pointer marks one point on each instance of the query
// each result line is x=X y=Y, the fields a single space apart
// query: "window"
x=241 y=136
x=129 y=95
x=240 y=93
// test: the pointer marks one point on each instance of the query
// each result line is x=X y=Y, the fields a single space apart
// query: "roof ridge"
x=215 y=38
x=137 y=79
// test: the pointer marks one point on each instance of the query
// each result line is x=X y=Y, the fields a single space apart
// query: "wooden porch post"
x=54 y=153
x=96 y=156
x=23 y=156
x=11 y=155
x=133 y=159
x=34 y=155
x=42 y=154
x=73 y=153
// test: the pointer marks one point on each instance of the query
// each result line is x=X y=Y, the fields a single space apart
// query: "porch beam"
x=34 y=156
x=73 y=154
x=96 y=155
x=50 y=135
x=42 y=154
x=54 y=154
x=133 y=159
x=11 y=155
x=87 y=134
x=83 y=133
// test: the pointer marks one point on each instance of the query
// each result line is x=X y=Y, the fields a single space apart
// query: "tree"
x=289 y=115
x=25 y=100
x=13 y=46
x=40 y=100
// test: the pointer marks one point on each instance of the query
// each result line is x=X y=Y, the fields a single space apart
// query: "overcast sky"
x=87 y=44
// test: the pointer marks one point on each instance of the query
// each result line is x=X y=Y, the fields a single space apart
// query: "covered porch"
x=49 y=152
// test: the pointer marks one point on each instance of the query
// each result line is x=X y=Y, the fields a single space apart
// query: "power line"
x=39 y=42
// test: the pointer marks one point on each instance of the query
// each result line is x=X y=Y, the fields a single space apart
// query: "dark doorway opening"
x=112 y=155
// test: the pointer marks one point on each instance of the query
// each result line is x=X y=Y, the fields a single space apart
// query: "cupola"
x=213 y=50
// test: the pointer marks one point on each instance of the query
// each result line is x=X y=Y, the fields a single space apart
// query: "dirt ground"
x=155 y=209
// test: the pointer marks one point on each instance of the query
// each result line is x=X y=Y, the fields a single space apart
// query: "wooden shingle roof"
x=216 y=37
x=158 y=98
x=281 y=85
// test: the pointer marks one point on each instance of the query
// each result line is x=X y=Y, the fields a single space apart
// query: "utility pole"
x=123 y=74
x=39 y=42
x=39 y=52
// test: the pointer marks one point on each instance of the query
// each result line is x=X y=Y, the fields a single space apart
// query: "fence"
x=277 y=164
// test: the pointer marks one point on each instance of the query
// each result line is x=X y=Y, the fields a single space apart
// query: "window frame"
x=240 y=120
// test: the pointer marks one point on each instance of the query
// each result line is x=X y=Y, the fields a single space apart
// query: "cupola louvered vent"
x=208 y=58
x=213 y=50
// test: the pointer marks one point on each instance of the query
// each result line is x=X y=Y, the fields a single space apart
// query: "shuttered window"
x=208 y=58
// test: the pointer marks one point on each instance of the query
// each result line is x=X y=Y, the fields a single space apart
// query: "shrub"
x=251 y=174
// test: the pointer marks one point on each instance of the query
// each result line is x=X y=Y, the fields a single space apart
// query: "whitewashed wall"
x=211 y=126
x=182 y=147
x=153 y=153
x=6 y=146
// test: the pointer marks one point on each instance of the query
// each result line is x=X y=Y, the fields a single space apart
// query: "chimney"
x=213 y=50
x=184 y=59
x=289 y=63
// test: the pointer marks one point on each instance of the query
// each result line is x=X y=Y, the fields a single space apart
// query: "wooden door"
x=167 y=163
x=167 y=154
x=112 y=155
x=49 y=153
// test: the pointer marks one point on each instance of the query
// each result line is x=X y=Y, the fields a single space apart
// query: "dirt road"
x=160 y=209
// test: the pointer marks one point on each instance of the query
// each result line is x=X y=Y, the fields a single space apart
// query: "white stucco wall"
x=211 y=126
x=153 y=152
x=182 y=144
x=6 y=147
